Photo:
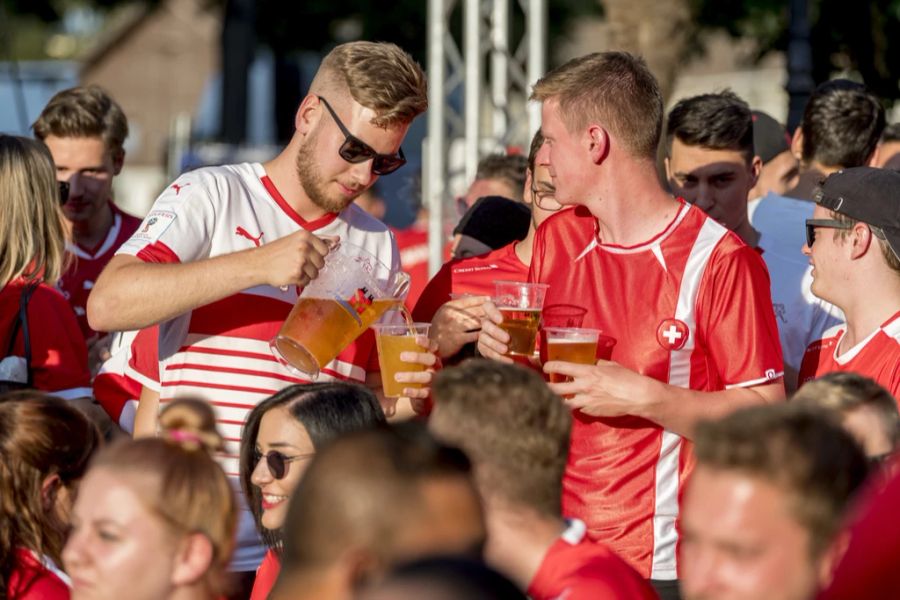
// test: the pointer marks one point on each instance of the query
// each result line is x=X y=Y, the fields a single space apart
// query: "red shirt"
x=78 y=280
x=576 y=568
x=876 y=357
x=58 y=350
x=690 y=307
x=868 y=568
x=474 y=275
x=266 y=575
x=31 y=580
x=413 y=245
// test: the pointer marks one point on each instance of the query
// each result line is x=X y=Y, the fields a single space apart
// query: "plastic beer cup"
x=521 y=304
x=569 y=344
x=391 y=340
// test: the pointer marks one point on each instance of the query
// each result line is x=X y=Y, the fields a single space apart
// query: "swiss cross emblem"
x=672 y=334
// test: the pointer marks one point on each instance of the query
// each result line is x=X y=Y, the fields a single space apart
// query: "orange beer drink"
x=317 y=329
x=520 y=304
x=391 y=340
x=569 y=344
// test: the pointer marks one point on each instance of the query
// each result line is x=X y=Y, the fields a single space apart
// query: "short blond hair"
x=615 y=89
x=32 y=230
x=379 y=76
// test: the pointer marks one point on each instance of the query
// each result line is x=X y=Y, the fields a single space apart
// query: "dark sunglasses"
x=277 y=462
x=812 y=224
x=354 y=150
x=63 y=191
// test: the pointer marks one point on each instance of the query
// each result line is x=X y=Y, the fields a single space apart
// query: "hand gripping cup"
x=391 y=340
x=569 y=344
x=520 y=304
x=352 y=291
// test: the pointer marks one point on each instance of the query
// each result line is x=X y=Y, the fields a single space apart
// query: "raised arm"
x=132 y=294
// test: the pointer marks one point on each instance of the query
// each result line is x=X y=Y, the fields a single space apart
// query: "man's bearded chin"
x=311 y=180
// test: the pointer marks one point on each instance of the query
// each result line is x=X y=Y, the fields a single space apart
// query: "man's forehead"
x=711 y=159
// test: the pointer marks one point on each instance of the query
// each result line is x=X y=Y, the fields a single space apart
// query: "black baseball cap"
x=495 y=221
x=867 y=194
x=769 y=137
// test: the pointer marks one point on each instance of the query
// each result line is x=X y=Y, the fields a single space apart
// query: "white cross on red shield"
x=672 y=334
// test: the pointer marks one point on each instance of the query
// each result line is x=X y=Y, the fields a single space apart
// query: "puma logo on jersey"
x=243 y=233
x=361 y=300
x=178 y=187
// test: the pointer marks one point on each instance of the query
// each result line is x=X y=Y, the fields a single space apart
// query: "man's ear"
x=797 y=144
x=118 y=160
x=861 y=240
x=307 y=114
x=193 y=559
x=598 y=143
x=755 y=170
x=527 y=196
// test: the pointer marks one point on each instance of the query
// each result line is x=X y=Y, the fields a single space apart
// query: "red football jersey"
x=690 y=307
x=36 y=579
x=266 y=575
x=78 y=280
x=58 y=352
x=474 y=275
x=413 y=245
x=868 y=568
x=876 y=357
x=575 y=568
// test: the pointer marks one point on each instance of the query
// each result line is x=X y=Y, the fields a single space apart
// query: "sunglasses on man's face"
x=354 y=150
x=277 y=462
x=63 y=191
x=813 y=224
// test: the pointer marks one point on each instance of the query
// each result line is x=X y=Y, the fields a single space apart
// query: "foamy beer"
x=569 y=344
x=391 y=340
x=352 y=291
x=520 y=304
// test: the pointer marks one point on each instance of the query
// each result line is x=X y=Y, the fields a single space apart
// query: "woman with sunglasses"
x=155 y=518
x=280 y=436
x=41 y=346
x=45 y=444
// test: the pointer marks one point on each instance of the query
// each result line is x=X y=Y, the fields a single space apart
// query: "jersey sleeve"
x=58 y=350
x=179 y=225
x=735 y=310
x=143 y=363
x=435 y=295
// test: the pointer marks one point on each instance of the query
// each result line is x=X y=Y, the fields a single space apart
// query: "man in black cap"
x=853 y=245
x=772 y=144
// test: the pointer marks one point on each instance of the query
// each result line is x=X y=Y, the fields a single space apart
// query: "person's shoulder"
x=30 y=580
x=357 y=218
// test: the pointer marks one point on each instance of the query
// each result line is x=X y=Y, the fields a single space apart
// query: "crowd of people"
x=734 y=440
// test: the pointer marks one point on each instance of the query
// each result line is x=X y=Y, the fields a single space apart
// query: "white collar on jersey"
x=47 y=563
x=575 y=531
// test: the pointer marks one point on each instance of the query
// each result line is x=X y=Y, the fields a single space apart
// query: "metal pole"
x=800 y=83
x=537 y=58
x=500 y=68
x=472 y=56
x=434 y=170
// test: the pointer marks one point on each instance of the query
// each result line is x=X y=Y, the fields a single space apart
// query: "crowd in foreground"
x=671 y=466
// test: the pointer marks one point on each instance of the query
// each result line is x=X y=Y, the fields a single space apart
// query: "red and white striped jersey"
x=220 y=351
x=690 y=307
x=78 y=280
x=876 y=357
x=133 y=364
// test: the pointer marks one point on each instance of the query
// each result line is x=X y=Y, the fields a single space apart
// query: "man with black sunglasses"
x=853 y=245
x=225 y=251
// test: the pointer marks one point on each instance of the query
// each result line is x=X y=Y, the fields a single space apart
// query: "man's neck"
x=867 y=311
x=518 y=541
x=88 y=234
x=629 y=203
x=748 y=234
x=282 y=171
x=307 y=585
x=525 y=247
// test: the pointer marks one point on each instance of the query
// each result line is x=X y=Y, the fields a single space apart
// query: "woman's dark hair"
x=40 y=436
x=326 y=411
